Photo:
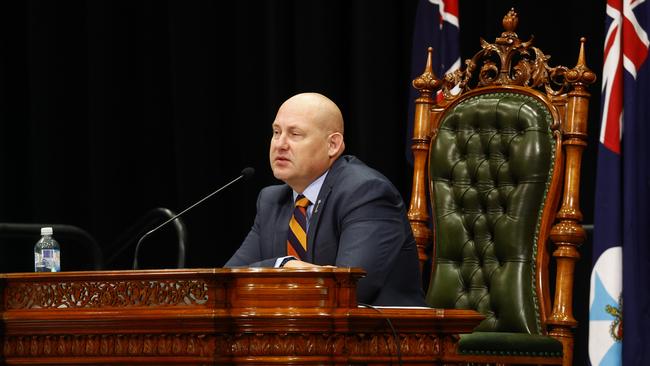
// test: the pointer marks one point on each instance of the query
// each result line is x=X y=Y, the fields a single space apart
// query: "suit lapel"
x=281 y=232
x=314 y=220
x=324 y=193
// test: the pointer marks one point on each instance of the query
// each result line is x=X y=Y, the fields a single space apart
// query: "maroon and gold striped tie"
x=297 y=240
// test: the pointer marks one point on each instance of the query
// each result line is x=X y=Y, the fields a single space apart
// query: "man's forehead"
x=294 y=122
x=307 y=112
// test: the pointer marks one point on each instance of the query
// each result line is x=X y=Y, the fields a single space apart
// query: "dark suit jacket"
x=359 y=220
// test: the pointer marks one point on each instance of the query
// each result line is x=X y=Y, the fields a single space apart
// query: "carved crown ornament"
x=508 y=61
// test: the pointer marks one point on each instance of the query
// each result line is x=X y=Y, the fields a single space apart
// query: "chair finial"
x=581 y=55
x=581 y=74
x=510 y=21
x=508 y=36
x=429 y=66
x=427 y=82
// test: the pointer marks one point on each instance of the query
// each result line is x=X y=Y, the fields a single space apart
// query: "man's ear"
x=335 y=144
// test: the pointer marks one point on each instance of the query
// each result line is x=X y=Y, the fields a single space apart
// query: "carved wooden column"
x=426 y=84
x=568 y=234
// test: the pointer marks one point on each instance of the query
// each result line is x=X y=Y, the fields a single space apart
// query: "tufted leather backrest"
x=490 y=163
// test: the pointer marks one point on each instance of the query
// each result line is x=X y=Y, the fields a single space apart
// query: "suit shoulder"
x=354 y=172
x=274 y=193
x=355 y=178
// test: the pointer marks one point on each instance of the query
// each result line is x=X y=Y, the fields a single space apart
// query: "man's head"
x=307 y=139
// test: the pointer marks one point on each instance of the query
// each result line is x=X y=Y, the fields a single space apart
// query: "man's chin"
x=280 y=174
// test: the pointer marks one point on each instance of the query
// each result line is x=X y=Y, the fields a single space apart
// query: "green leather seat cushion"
x=509 y=344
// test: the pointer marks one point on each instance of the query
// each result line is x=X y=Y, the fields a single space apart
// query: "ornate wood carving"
x=94 y=345
x=426 y=85
x=100 y=294
x=199 y=317
x=568 y=234
x=507 y=61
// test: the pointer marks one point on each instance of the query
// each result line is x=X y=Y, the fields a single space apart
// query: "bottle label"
x=48 y=260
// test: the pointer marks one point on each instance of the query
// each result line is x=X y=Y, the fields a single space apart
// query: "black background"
x=111 y=108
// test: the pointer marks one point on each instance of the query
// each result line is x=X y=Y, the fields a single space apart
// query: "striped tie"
x=297 y=240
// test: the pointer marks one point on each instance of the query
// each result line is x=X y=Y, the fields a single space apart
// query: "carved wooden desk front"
x=213 y=316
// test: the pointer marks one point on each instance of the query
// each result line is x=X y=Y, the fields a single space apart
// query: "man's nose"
x=281 y=142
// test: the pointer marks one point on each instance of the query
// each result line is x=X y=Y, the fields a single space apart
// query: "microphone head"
x=247 y=172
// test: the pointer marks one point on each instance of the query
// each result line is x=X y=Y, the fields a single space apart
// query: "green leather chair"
x=498 y=151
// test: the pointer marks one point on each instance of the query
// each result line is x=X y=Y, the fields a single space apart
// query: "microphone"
x=245 y=174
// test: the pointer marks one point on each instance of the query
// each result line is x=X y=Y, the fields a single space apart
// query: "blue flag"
x=620 y=279
x=436 y=25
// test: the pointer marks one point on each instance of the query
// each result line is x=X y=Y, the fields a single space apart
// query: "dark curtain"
x=111 y=108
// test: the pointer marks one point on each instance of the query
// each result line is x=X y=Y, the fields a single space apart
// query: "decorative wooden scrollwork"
x=511 y=61
x=113 y=344
x=208 y=345
x=99 y=294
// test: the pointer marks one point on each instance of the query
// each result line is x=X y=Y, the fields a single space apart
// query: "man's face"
x=299 y=146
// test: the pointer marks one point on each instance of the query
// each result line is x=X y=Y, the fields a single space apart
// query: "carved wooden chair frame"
x=515 y=65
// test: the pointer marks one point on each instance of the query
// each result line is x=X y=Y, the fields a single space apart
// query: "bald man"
x=333 y=210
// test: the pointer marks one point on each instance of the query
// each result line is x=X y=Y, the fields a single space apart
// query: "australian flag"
x=620 y=279
x=436 y=25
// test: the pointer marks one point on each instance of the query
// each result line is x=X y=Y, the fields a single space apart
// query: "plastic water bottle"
x=47 y=253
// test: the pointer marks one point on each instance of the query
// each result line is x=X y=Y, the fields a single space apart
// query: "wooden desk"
x=213 y=316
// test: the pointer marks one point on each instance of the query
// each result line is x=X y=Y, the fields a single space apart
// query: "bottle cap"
x=46 y=231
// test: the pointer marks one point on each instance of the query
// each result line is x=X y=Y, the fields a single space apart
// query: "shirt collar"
x=312 y=190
